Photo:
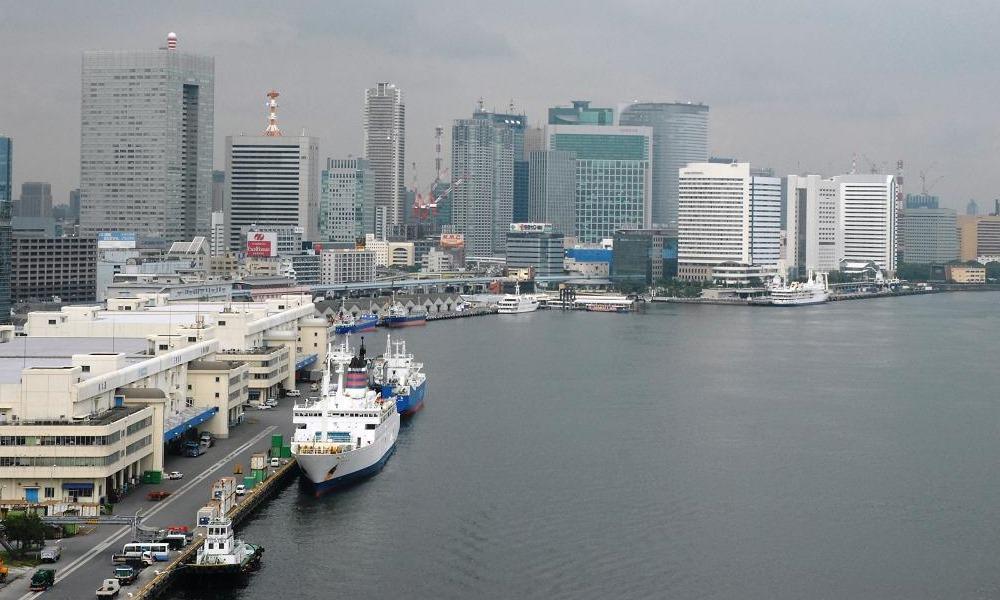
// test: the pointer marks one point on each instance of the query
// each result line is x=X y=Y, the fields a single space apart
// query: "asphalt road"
x=86 y=558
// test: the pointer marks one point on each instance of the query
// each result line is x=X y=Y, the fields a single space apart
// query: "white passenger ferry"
x=512 y=304
x=349 y=431
x=815 y=290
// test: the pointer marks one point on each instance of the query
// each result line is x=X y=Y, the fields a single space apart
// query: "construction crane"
x=425 y=205
x=926 y=187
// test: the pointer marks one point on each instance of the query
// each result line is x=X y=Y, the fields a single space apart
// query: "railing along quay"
x=159 y=584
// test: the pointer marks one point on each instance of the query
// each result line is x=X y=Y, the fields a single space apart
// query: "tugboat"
x=223 y=554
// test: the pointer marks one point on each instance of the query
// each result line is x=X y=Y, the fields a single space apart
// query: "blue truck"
x=192 y=449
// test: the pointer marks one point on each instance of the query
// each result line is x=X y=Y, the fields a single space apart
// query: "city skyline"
x=796 y=112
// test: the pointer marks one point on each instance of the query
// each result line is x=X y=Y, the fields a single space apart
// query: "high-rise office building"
x=35 y=201
x=726 y=214
x=931 y=235
x=811 y=226
x=74 y=206
x=347 y=200
x=147 y=128
x=847 y=217
x=552 y=190
x=867 y=219
x=680 y=136
x=613 y=176
x=385 y=149
x=271 y=180
x=6 y=181
x=922 y=201
x=482 y=151
x=978 y=236
x=218 y=190
x=581 y=113
x=972 y=208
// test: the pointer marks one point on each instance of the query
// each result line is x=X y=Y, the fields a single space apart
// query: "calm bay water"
x=842 y=451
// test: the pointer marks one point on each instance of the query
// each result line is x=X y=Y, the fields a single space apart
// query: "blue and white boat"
x=399 y=375
x=348 y=323
x=349 y=432
x=399 y=317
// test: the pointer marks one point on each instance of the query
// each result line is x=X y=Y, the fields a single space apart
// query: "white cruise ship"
x=349 y=431
x=512 y=304
x=813 y=291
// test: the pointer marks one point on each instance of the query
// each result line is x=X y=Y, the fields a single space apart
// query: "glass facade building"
x=680 y=136
x=552 y=190
x=921 y=201
x=613 y=176
x=346 y=200
x=581 y=113
x=644 y=256
x=147 y=132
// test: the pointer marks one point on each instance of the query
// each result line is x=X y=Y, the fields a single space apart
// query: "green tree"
x=25 y=528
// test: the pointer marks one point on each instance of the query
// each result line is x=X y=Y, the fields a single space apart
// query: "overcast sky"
x=798 y=86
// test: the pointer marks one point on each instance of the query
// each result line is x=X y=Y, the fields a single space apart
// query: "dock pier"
x=166 y=577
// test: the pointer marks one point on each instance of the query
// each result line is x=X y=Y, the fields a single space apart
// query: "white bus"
x=158 y=550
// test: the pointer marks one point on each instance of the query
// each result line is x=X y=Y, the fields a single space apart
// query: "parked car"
x=241 y=489
x=275 y=462
x=263 y=406
x=50 y=554
x=206 y=436
x=271 y=402
x=175 y=475
x=293 y=393
x=42 y=580
x=193 y=449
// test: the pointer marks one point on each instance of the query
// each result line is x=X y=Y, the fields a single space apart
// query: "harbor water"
x=848 y=450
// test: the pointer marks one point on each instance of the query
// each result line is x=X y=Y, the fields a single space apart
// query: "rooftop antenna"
x=272 y=115
x=480 y=104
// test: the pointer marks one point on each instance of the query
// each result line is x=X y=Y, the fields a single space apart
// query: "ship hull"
x=408 y=404
x=800 y=301
x=328 y=472
x=397 y=322
x=363 y=324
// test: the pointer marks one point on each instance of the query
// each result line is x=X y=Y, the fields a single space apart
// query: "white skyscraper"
x=726 y=215
x=385 y=148
x=271 y=179
x=850 y=217
x=867 y=213
x=146 y=129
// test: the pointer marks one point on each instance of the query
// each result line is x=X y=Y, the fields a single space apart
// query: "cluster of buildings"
x=93 y=396
x=152 y=215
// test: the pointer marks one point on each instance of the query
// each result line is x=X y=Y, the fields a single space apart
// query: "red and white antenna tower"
x=171 y=41
x=272 y=115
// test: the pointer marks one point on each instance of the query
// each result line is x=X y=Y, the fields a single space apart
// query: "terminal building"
x=92 y=397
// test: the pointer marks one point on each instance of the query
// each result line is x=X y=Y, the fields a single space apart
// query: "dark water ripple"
x=843 y=451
